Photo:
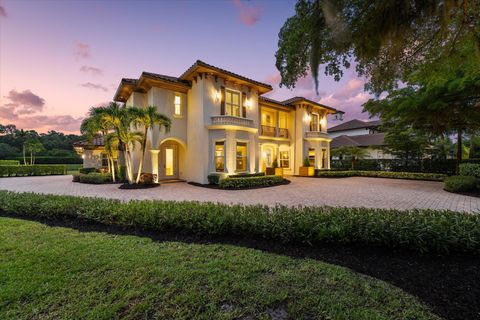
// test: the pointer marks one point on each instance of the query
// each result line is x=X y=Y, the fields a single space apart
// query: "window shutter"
x=244 y=107
x=222 y=100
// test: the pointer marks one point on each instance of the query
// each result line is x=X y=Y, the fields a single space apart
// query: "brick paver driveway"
x=351 y=192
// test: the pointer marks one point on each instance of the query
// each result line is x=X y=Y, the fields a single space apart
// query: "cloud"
x=353 y=87
x=23 y=108
x=81 y=50
x=24 y=102
x=248 y=14
x=3 y=12
x=95 y=86
x=91 y=70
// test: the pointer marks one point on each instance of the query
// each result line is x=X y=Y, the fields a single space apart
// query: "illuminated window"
x=232 y=103
x=241 y=156
x=284 y=159
x=315 y=122
x=282 y=120
x=178 y=105
x=220 y=156
x=311 y=157
x=324 y=159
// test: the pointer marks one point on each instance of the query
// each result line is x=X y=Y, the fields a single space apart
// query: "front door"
x=169 y=162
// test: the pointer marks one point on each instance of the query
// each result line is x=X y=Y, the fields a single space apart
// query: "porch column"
x=328 y=155
x=154 y=158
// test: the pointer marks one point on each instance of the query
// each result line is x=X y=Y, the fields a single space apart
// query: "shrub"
x=470 y=169
x=306 y=162
x=419 y=230
x=9 y=163
x=121 y=173
x=35 y=170
x=250 y=182
x=54 y=159
x=148 y=178
x=214 y=178
x=87 y=170
x=247 y=175
x=76 y=177
x=382 y=174
x=95 y=178
x=459 y=183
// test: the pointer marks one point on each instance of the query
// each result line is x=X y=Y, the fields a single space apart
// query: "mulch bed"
x=215 y=186
x=450 y=285
x=475 y=194
x=134 y=186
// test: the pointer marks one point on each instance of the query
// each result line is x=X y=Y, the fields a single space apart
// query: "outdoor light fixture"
x=218 y=96
x=83 y=156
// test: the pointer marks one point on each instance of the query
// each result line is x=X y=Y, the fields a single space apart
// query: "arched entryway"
x=171 y=155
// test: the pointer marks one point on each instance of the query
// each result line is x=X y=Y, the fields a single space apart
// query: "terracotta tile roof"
x=260 y=98
x=364 y=140
x=98 y=141
x=200 y=63
x=355 y=124
x=164 y=77
x=302 y=99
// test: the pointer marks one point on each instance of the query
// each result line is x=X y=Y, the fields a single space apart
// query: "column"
x=328 y=155
x=154 y=156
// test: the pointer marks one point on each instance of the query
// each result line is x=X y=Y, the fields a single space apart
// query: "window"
x=220 y=156
x=324 y=159
x=311 y=157
x=268 y=155
x=178 y=105
x=314 y=123
x=232 y=103
x=284 y=159
x=241 y=156
x=104 y=160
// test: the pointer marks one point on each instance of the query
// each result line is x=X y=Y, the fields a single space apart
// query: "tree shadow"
x=450 y=285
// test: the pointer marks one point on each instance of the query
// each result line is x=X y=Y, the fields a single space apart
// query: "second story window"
x=178 y=105
x=232 y=103
x=315 y=122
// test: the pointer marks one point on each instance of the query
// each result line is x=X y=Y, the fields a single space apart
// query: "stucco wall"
x=92 y=158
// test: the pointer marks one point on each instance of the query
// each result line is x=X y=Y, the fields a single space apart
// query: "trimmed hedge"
x=9 y=163
x=459 y=183
x=53 y=160
x=418 y=230
x=35 y=170
x=382 y=174
x=86 y=170
x=470 y=169
x=249 y=182
x=92 y=178
x=214 y=178
x=247 y=175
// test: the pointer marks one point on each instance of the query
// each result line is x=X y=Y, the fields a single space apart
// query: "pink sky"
x=59 y=58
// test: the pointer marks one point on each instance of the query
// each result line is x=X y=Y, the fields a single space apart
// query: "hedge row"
x=418 y=230
x=53 y=160
x=9 y=162
x=459 y=183
x=382 y=174
x=35 y=170
x=249 y=182
x=92 y=178
x=470 y=169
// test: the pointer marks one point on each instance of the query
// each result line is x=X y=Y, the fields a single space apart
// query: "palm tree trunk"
x=128 y=163
x=143 y=146
x=31 y=157
x=459 y=149
x=112 y=166
x=24 y=156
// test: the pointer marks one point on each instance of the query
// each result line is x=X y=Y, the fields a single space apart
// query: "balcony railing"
x=316 y=134
x=269 y=131
x=232 y=121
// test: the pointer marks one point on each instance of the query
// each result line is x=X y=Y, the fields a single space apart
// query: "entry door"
x=169 y=162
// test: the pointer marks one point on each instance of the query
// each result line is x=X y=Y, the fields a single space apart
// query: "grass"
x=53 y=272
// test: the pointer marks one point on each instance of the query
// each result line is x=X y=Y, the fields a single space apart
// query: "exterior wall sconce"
x=248 y=103
x=218 y=96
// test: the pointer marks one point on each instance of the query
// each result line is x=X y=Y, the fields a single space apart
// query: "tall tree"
x=385 y=40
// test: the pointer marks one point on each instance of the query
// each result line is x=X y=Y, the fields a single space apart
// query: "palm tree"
x=33 y=146
x=353 y=152
x=148 y=118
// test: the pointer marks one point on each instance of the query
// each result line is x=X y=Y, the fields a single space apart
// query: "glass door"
x=169 y=162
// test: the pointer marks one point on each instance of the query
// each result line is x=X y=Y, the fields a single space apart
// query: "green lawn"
x=52 y=272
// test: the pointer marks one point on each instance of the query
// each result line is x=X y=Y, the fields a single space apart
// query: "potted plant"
x=274 y=169
x=306 y=170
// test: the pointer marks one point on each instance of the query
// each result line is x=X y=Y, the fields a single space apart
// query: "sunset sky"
x=58 y=58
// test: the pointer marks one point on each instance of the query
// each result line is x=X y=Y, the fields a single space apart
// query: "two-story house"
x=221 y=123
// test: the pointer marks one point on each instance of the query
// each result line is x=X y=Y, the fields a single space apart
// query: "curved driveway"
x=350 y=192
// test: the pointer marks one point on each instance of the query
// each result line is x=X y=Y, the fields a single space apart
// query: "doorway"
x=168 y=161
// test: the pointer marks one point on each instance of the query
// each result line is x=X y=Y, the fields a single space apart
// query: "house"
x=363 y=134
x=221 y=122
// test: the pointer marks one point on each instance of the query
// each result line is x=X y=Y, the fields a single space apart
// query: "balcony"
x=316 y=135
x=232 y=121
x=274 y=132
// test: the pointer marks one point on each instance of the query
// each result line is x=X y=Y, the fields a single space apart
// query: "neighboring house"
x=221 y=123
x=363 y=134
x=92 y=152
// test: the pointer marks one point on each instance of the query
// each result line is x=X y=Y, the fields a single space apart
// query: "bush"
x=35 y=170
x=214 y=178
x=76 y=177
x=470 y=169
x=250 y=182
x=381 y=174
x=53 y=159
x=459 y=183
x=418 y=230
x=87 y=170
x=247 y=175
x=148 y=178
x=9 y=163
x=121 y=173
x=95 y=178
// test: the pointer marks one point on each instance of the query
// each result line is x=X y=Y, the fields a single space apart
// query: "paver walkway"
x=350 y=192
